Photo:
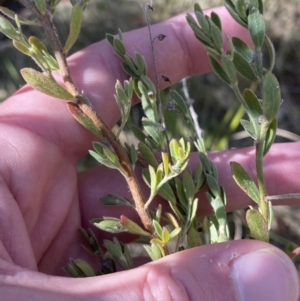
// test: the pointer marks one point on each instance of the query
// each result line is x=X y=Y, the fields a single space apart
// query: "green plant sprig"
x=167 y=175
x=80 y=106
x=157 y=176
x=262 y=124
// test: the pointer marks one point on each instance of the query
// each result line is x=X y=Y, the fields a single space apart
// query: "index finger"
x=95 y=71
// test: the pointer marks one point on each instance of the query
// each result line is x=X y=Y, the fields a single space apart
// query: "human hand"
x=43 y=201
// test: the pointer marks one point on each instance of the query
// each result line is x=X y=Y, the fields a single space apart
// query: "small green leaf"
x=219 y=70
x=75 y=27
x=104 y=156
x=154 y=131
x=197 y=8
x=271 y=96
x=243 y=66
x=153 y=180
x=114 y=248
x=84 y=120
x=180 y=194
x=45 y=84
x=200 y=35
x=216 y=19
x=51 y=62
x=132 y=153
x=86 y=269
x=120 y=34
x=256 y=27
x=147 y=155
x=116 y=200
x=139 y=134
x=199 y=177
x=165 y=235
x=34 y=41
x=109 y=224
x=8 y=29
x=245 y=182
x=72 y=270
x=40 y=5
x=90 y=238
x=172 y=220
x=112 y=157
x=128 y=258
x=213 y=185
x=119 y=252
x=175 y=233
x=257 y=225
x=150 y=86
x=188 y=186
x=219 y=219
x=270 y=136
x=249 y=128
x=158 y=213
x=216 y=35
x=271 y=51
x=203 y=23
x=241 y=8
x=254 y=105
x=214 y=53
x=159 y=173
x=214 y=171
x=206 y=163
x=180 y=103
x=234 y=14
x=229 y=68
x=22 y=47
x=148 y=102
x=261 y=6
x=142 y=66
x=132 y=227
x=124 y=103
x=194 y=208
x=110 y=38
x=119 y=47
x=158 y=228
x=11 y=14
x=242 y=48
x=153 y=251
x=165 y=191
x=165 y=159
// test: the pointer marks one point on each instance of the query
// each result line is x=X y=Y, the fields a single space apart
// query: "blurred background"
x=218 y=116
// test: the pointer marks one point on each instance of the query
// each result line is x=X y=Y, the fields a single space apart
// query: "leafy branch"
x=164 y=160
x=262 y=123
x=80 y=106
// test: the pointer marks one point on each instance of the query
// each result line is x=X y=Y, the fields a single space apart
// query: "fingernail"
x=266 y=274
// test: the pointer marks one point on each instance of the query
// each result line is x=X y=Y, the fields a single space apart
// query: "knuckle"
x=161 y=285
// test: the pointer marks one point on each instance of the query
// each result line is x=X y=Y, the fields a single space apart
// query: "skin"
x=43 y=200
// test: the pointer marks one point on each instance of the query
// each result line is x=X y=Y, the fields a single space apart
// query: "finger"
x=232 y=271
x=280 y=168
x=179 y=55
x=95 y=71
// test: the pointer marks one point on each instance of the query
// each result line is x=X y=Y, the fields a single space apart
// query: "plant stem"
x=130 y=176
x=159 y=102
x=283 y=196
x=260 y=146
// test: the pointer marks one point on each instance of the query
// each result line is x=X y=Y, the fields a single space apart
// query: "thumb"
x=233 y=271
